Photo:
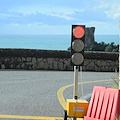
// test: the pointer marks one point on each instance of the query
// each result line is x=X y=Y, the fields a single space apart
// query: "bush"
x=109 y=47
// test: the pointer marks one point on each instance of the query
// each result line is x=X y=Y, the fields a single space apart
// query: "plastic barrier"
x=104 y=104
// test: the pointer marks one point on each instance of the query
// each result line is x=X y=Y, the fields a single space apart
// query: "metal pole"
x=75 y=87
x=76 y=82
x=81 y=80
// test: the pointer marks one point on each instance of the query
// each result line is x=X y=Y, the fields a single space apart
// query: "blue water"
x=107 y=38
x=49 y=42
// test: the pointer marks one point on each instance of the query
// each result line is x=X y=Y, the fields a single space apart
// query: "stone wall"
x=33 y=59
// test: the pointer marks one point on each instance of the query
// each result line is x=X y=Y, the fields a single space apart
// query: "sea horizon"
x=48 y=42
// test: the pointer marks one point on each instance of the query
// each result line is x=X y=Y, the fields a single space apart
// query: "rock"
x=28 y=59
x=2 y=66
x=98 y=62
x=55 y=65
x=60 y=65
x=33 y=60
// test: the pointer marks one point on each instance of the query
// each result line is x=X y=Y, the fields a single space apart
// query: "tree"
x=108 y=48
x=102 y=46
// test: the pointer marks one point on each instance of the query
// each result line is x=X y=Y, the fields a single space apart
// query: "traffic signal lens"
x=77 y=58
x=78 y=31
x=77 y=45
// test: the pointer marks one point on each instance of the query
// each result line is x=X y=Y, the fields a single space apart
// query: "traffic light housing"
x=77 y=45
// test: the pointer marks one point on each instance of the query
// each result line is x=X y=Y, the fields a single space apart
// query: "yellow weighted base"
x=77 y=108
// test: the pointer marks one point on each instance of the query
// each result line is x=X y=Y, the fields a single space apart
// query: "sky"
x=55 y=17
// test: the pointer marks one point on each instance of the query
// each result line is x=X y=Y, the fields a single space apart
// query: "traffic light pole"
x=77 y=60
x=76 y=68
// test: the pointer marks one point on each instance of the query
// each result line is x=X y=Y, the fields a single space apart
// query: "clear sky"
x=57 y=16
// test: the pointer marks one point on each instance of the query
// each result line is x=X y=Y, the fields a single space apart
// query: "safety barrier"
x=104 y=104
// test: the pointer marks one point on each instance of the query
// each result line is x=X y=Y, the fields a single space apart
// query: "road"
x=34 y=93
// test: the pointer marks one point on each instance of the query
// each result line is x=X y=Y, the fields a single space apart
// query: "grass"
x=116 y=86
x=116 y=81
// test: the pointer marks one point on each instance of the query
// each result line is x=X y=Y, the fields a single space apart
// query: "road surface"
x=34 y=93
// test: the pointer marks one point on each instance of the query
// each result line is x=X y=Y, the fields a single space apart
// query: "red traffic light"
x=78 y=31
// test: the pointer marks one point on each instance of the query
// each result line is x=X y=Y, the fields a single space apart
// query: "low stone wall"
x=33 y=59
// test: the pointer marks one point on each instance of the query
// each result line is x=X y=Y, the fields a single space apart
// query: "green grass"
x=116 y=86
x=116 y=80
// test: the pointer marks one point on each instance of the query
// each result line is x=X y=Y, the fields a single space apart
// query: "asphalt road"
x=34 y=93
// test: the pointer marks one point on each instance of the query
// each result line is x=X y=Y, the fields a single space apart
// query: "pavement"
x=34 y=94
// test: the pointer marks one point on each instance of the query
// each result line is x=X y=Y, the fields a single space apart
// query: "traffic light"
x=77 y=45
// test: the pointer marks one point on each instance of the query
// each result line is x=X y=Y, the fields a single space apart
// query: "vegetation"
x=116 y=80
x=109 y=47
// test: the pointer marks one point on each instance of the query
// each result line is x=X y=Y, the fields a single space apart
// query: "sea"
x=47 y=42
